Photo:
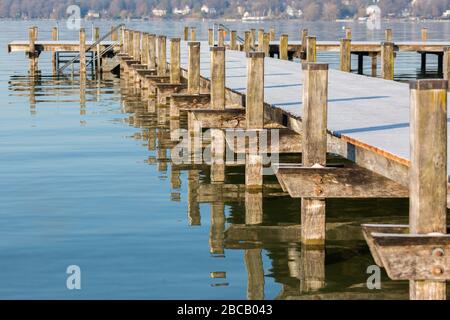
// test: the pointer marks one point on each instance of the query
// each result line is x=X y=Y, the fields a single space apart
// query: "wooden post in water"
x=266 y=44
x=55 y=54
x=114 y=34
x=151 y=52
x=272 y=34
x=346 y=55
x=311 y=51
x=193 y=34
x=221 y=38
x=99 y=60
x=82 y=53
x=446 y=65
x=211 y=37
x=283 y=51
x=374 y=63
x=96 y=33
x=253 y=38
x=233 y=42
x=162 y=62
x=193 y=67
x=32 y=50
x=218 y=103
x=261 y=40
x=254 y=105
x=137 y=45
x=304 y=37
x=186 y=33
x=247 y=41
x=145 y=51
x=424 y=34
x=175 y=71
x=130 y=43
x=387 y=60
x=315 y=94
x=348 y=33
x=388 y=35
x=428 y=171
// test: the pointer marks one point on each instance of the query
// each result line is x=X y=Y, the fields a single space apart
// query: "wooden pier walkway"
x=364 y=113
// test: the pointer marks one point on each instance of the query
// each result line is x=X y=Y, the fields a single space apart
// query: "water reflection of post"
x=161 y=155
x=33 y=81
x=193 y=205
x=175 y=184
x=312 y=268
x=255 y=271
x=82 y=96
x=216 y=234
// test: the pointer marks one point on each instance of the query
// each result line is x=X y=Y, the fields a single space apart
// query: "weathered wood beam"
x=220 y=119
x=346 y=55
x=349 y=181
x=387 y=60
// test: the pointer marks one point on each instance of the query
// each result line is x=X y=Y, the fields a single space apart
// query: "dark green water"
x=86 y=179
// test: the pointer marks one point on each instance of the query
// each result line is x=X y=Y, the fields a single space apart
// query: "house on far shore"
x=182 y=12
x=92 y=15
x=207 y=10
x=159 y=12
x=446 y=14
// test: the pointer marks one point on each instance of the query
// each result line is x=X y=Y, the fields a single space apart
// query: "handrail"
x=77 y=57
x=242 y=41
x=104 y=51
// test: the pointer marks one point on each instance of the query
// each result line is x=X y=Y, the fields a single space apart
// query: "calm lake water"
x=86 y=179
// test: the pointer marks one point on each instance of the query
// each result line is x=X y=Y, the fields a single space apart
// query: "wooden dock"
x=395 y=135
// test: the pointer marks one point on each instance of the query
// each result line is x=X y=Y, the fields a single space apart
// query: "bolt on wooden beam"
x=162 y=60
x=175 y=71
x=428 y=171
x=283 y=51
x=346 y=55
x=387 y=60
x=314 y=120
x=311 y=50
x=193 y=67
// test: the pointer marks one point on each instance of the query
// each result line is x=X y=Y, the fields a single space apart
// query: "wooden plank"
x=349 y=181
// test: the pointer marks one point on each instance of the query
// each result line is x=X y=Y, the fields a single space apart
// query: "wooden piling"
x=346 y=55
x=388 y=35
x=315 y=93
x=221 y=38
x=446 y=65
x=254 y=115
x=137 y=45
x=304 y=37
x=145 y=57
x=55 y=54
x=96 y=34
x=32 y=50
x=82 y=53
x=186 y=33
x=387 y=60
x=162 y=62
x=348 y=33
x=266 y=44
x=151 y=52
x=428 y=171
x=311 y=51
x=253 y=38
x=233 y=40
x=175 y=71
x=424 y=34
x=283 y=51
x=99 y=60
x=114 y=34
x=261 y=40
x=217 y=102
x=211 y=37
x=374 y=64
x=194 y=67
x=193 y=34
x=272 y=34
x=247 y=41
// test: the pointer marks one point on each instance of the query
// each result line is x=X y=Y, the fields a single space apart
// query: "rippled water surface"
x=86 y=179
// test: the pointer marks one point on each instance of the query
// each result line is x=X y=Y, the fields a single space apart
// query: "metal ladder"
x=77 y=57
